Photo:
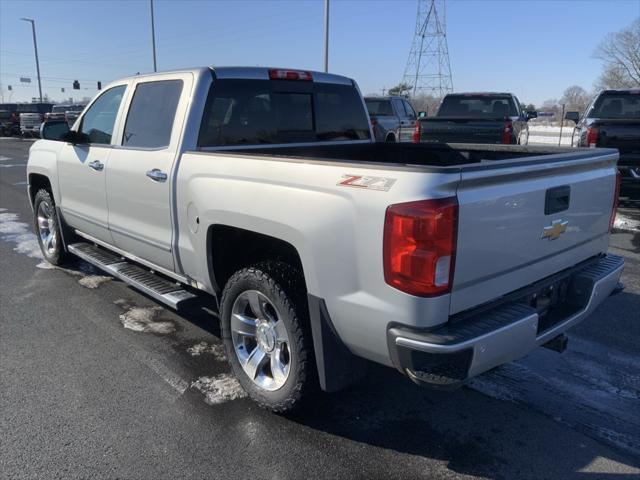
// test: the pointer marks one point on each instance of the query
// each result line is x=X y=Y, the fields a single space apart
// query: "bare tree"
x=426 y=103
x=620 y=52
x=575 y=98
x=401 y=89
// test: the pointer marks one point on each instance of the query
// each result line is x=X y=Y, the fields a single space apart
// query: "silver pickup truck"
x=263 y=188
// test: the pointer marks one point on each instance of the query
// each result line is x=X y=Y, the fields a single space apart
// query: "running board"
x=161 y=289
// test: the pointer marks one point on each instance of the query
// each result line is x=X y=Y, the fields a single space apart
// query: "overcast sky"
x=532 y=48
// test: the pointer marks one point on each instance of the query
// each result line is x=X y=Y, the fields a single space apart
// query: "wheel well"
x=37 y=182
x=232 y=248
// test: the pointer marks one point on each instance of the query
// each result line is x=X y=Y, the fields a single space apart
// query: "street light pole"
x=153 y=38
x=326 y=35
x=35 y=46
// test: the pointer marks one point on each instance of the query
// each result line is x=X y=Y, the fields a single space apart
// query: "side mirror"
x=422 y=114
x=573 y=116
x=531 y=114
x=54 y=130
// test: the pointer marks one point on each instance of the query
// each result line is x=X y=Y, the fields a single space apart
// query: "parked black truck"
x=612 y=120
x=476 y=118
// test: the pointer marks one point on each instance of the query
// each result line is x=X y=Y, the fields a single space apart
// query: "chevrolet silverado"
x=324 y=249
x=476 y=118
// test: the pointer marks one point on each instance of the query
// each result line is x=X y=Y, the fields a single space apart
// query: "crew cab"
x=324 y=249
x=612 y=120
x=495 y=118
x=393 y=118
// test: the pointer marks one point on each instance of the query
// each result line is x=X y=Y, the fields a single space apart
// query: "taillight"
x=280 y=74
x=592 y=137
x=419 y=246
x=507 y=133
x=417 y=132
x=616 y=196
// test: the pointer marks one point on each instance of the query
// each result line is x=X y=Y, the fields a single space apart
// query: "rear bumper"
x=457 y=351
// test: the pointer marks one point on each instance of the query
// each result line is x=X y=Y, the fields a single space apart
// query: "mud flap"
x=338 y=368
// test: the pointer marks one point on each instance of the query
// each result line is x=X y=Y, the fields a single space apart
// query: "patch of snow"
x=625 y=223
x=217 y=350
x=14 y=231
x=93 y=281
x=3 y=158
x=144 y=319
x=219 y=389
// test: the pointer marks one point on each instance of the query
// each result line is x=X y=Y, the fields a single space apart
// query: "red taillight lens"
x=417 y=132
x=279 y=74
x=419 y=246
x=507 y=133
x=592 y=137
x=616 y=196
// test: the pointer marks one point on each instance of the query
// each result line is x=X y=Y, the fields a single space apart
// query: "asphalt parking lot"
x=98 y=381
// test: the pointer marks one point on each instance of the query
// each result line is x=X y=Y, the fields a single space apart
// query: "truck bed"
x=444 y=157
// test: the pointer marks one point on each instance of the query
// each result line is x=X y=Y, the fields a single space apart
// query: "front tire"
x=264 y=320
x=48 y=228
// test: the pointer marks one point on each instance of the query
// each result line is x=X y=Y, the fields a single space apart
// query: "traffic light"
x=76 y=85
x=99 y=85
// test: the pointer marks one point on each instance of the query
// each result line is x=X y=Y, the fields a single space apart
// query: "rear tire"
x=391 y=138
x=265 y=331
x=48 y=228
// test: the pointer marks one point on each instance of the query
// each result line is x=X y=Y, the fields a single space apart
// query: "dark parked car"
x=393 y=118
x=612 y=120
x=477 y=118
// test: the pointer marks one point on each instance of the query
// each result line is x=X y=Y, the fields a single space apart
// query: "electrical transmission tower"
x=428 y=70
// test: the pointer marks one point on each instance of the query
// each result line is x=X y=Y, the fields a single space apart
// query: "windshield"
x=254 y=112
x=617 y=105
x=477 y=106
x=378 y=107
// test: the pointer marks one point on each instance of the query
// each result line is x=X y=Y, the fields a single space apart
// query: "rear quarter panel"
x=337 y=231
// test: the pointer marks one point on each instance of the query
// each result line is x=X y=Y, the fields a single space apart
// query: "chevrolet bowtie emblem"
x=553 y=231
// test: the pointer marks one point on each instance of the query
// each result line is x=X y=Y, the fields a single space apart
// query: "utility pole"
x=326 y=35
x=35 y=46
x=153 y=38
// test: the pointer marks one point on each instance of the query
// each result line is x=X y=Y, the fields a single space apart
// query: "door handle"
x=97 y=165
x=157 y=175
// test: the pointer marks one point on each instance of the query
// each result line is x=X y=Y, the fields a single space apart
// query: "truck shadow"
x=472 y=433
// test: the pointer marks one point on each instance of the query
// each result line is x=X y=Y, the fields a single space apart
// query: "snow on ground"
x=144 y=319
x=219 y=389
x=625 y=223
x=549 y=135
x=217 y=350
x=19 y=233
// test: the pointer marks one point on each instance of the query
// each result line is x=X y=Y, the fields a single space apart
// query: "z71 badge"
x=372 y=183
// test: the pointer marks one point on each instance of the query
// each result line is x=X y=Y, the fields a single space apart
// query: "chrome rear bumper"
x=457 y=351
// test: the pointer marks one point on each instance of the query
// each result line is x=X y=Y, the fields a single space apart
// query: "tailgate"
x=461 y=131
x=506 y=240
x=621 y=134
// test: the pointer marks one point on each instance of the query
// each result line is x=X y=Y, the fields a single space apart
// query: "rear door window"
x=258 y=112
x=477 y=106
x=151 y=114
x=617 y=105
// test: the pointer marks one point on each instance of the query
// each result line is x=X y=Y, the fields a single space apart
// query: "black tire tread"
x=288 y=284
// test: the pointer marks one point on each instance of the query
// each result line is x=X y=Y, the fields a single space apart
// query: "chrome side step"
x=163 y=290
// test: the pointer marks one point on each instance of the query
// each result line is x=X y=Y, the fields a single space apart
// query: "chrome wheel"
x=260 y=340
x=47 y=228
